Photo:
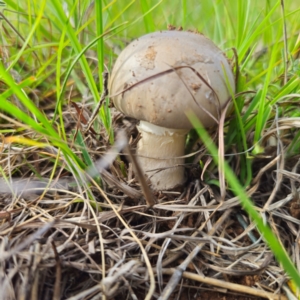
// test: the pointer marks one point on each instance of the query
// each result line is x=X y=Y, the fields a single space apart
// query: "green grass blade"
x=64 y=22
x=148 y=21
x=100 y=45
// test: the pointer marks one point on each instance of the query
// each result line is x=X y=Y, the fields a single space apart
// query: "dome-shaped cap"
x=155 y=79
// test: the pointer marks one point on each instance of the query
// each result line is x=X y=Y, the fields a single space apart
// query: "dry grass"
x=83 y=241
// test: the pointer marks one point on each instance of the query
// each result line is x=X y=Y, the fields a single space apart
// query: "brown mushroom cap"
x=154 y=79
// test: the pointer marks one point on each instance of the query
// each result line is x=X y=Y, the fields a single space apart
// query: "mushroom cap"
x=160 y=76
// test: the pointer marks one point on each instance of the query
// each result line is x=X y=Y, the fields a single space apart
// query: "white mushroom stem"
x=160 y=152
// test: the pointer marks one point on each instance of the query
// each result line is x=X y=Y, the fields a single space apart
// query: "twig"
x=102 y=98
x=141 y=178
x=226 y=285
x=56 y=289
x=178 y=272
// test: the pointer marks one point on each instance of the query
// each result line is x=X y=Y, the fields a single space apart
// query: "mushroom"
x=158 y=78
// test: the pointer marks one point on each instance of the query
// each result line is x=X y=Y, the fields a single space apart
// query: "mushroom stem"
x=160 y=152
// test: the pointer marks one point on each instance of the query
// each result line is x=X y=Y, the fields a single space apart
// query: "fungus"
x=158 y=78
